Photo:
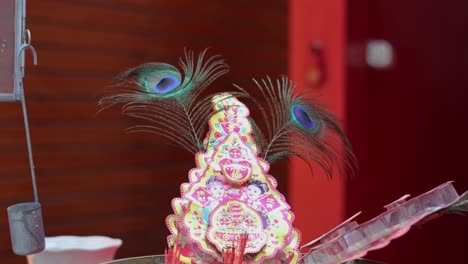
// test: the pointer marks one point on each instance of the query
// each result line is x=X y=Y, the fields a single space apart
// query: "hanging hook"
x=27 y=45
x=33 y=51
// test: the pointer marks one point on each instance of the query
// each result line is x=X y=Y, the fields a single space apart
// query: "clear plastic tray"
x=339 y=247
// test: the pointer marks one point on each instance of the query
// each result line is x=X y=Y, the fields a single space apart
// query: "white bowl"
x=76 y=250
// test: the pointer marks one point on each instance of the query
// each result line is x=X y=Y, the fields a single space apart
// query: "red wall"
x=407 y=123
x=93 y=177
x=316 y=201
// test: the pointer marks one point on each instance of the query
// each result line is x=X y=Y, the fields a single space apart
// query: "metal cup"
x=26 y=228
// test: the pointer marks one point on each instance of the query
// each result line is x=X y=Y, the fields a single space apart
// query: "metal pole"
x=28 y=140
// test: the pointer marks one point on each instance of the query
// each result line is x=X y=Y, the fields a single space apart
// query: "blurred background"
x=401 y=103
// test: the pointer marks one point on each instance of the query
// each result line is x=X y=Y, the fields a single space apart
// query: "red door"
x=409 y=123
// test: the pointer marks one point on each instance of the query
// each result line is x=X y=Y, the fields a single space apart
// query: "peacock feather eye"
x=166 y=84
x=303 y=117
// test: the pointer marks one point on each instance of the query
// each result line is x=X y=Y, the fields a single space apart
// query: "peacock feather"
x=296 y=125
x=175 y=107
x=169 y=100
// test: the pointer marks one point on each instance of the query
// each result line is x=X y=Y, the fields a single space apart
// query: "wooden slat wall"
x=92 y=177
